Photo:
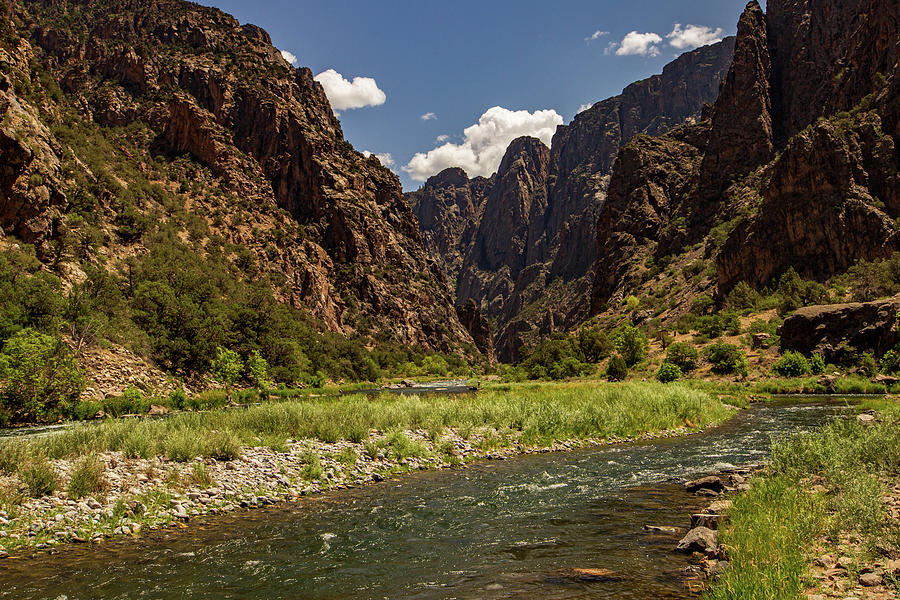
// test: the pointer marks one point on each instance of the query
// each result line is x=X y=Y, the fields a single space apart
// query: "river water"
x=501 y=529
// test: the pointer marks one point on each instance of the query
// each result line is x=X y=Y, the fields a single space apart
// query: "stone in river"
x=699 y=539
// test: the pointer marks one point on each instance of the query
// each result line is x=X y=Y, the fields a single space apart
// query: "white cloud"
x=641 y=44
x=693 y=36
x=442 y=138
x=428 y=116
x=485 y=143
x=583 y=108
x=290 y=57
x=596 y=36
x=347 y=95
x=386 y=159
x=610 y=48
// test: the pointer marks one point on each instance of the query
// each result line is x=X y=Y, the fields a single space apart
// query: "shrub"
x=792 y=364
x=40 y=478
x=617 y=369
x=227 y=368
x=88 y=477
x=258 y=370
x=743 y=297
x=890 y=362
x=200 y=475
x=867 y=365
x=711 y=326
x=817 y=364
x=701 y=305
x=316 y=380
x=569 y=367
x=631 y=344
x=794 y=292
x=178 y=399
x=41 y=374
x=668 y=372
x=684 y=356
x=726 y=359
x=222 y=445
x=594 y=344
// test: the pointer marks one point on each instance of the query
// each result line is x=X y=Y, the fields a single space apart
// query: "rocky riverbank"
x=140 y=495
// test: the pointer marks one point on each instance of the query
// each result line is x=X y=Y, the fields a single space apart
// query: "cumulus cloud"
x=596 y=36
x=428 y=116
x=290 y=57
x=583 y=108
x=347 y=95
x=485 y=142
x=386 y=159
x=442 y=138
x=693 y=36
x=640 y=44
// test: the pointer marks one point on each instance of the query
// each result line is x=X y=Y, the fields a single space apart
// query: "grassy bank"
x=539 y=415
x=287 y=449
x=821 y=504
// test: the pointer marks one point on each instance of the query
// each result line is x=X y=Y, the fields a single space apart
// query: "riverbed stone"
x=870 y=580
x=711 y=483
x=699 y=539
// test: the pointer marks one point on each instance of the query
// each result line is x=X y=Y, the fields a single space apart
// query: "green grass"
x=544 y=413
x=775 y=526
x=87 y=477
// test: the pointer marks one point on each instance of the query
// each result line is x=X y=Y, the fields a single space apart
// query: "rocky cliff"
x=522 y=244
x=155 y=111
x=797 y=167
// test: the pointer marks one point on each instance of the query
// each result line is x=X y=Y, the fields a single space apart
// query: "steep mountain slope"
x=797 y=166
x=522 y=243
x=124 y=118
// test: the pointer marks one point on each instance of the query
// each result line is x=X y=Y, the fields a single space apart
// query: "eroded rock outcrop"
x=331 y=224
x=839 y=332
x=531 y=270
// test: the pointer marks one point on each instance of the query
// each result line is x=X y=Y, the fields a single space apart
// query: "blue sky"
x=458 y=59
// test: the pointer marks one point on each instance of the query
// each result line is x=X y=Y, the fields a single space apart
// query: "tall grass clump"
x=39 y=477
x=776 y=524
x=545 y=412
x=88 y=477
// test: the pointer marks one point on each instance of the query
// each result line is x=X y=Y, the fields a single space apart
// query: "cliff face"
x=800 y=168
x=190 y=83
x=526 y=250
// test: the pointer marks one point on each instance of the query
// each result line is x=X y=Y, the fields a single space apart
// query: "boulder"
x=699 y=539
x=838 y=331
x=712 y=483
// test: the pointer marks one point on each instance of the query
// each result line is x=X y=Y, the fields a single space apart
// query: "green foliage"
x=559 y=357
x=794 y=292
x=792 y=364
x=702 y=305
x=668 y=372
x=683 y=355
x=867 y=364
x=87 y=477
x=726 y=359
x=617 y=369
x=631 y=344
x=817 y=364
x=39 y=477
x=258 y=370
x=227 y=367
x=632 y=303
x=594 y=344
x=711 y=326
x=890 y=362
x=41 y=375
x=743 y=297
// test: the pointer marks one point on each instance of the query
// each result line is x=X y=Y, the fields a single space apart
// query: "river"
x=495 y=530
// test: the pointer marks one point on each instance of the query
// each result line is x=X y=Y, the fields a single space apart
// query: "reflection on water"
x=495 y=530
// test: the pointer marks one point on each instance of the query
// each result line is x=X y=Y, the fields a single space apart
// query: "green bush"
x=792 y=364
x=743 y=297
x=227 y=368
x=684 y=355
x=631 y=344
x=617 y=369
x=711 y=326
x=258 y=370
x=726 y=359
x=42 y=378
x=794 y=292
x=867 y=364
x=668 y=372
x=817 y=364
x=890 y=362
